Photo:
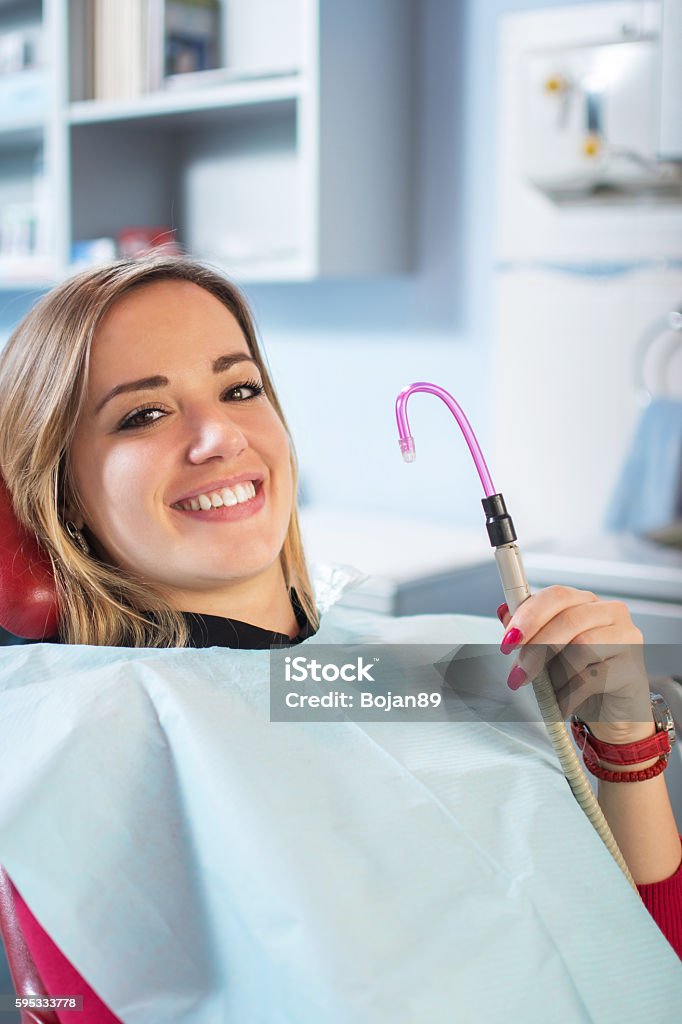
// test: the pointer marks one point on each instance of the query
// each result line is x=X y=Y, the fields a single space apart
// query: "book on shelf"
x=128 y=47
x=136 y=241
x=82 y=49
x=25 y=226
x=155 y=55
x=115 y=40
x=192 y=33
x=129 y=243
x=119 y=48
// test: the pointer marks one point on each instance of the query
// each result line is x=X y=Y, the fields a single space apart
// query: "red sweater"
x=663 y=900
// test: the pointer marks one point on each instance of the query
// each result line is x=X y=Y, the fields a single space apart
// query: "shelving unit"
x=298 y=166
x=23 y=134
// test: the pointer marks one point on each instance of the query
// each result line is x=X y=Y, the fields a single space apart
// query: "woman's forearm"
x=642 y=821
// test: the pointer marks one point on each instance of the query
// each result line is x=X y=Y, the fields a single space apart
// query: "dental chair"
x=27 y=981
x=28 y=609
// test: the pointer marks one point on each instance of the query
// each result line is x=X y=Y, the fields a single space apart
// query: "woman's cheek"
x=127 y=473
x=127 y=484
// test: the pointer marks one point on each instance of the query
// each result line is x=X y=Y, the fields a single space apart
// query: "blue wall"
x=340 y=351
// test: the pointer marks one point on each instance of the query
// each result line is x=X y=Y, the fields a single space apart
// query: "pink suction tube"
x=406 y=441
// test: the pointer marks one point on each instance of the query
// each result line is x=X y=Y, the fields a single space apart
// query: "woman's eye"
x=248 y=385
x=136 y=418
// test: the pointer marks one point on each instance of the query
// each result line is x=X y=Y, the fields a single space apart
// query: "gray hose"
x=573 y=770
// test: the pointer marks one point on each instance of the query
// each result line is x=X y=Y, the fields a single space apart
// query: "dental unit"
x=516 y=590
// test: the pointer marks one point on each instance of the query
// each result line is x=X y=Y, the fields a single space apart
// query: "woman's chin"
x=213 y=571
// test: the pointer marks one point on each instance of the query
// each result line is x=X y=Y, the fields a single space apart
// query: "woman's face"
x=170 y=417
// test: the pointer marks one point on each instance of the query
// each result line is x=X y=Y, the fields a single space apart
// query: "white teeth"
x=236 y=495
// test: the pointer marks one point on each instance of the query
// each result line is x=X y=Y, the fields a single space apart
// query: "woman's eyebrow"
x=133 y=385
x=219 y=365
x=225 y=362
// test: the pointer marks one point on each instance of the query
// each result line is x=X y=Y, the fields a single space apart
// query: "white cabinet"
x=293 y=163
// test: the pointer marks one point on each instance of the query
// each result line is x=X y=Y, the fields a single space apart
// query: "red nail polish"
x=511 y=640
x=502 y=612
x=517 y=677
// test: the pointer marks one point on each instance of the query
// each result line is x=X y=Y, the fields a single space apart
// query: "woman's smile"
x=225 y=505
x=220 y=492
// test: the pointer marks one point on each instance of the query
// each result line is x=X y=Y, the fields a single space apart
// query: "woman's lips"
x=227 y=513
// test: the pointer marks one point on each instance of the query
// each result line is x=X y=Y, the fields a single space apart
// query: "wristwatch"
x=658 y=745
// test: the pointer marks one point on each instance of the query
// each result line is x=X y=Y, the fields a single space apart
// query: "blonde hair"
x=43 y=382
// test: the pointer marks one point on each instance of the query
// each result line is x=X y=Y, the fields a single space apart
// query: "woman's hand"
x=594 y=654
x=595 y=657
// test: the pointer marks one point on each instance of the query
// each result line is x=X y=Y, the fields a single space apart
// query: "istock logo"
x=297 y=670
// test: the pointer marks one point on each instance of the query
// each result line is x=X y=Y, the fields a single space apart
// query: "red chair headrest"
x=28 y=595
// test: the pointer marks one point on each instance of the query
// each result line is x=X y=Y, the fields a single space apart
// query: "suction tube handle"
x=512 y=575
x=502 y=536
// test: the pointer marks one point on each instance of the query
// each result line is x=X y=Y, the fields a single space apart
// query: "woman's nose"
x=215 y=436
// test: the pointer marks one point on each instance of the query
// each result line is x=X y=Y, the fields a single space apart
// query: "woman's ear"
x=70 y=512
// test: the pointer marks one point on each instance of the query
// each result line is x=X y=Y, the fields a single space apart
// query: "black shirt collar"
x=216 y=631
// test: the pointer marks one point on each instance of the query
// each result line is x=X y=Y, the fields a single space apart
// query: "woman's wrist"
x=635 y=732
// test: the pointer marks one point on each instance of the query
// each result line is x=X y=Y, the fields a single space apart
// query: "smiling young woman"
x=136 y=409
x=142 y=443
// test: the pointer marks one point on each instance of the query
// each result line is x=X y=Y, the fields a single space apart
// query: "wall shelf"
x=21 y=133
x=289 y=176
x=164 y=104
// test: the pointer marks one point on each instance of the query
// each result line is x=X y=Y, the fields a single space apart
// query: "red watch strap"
x=622 y=753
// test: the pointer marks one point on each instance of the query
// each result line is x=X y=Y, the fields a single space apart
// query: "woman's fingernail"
x=517 y=677
x=511 y=640
x=502 y=612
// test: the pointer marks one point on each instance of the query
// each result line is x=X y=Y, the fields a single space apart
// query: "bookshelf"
x=289 y=160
